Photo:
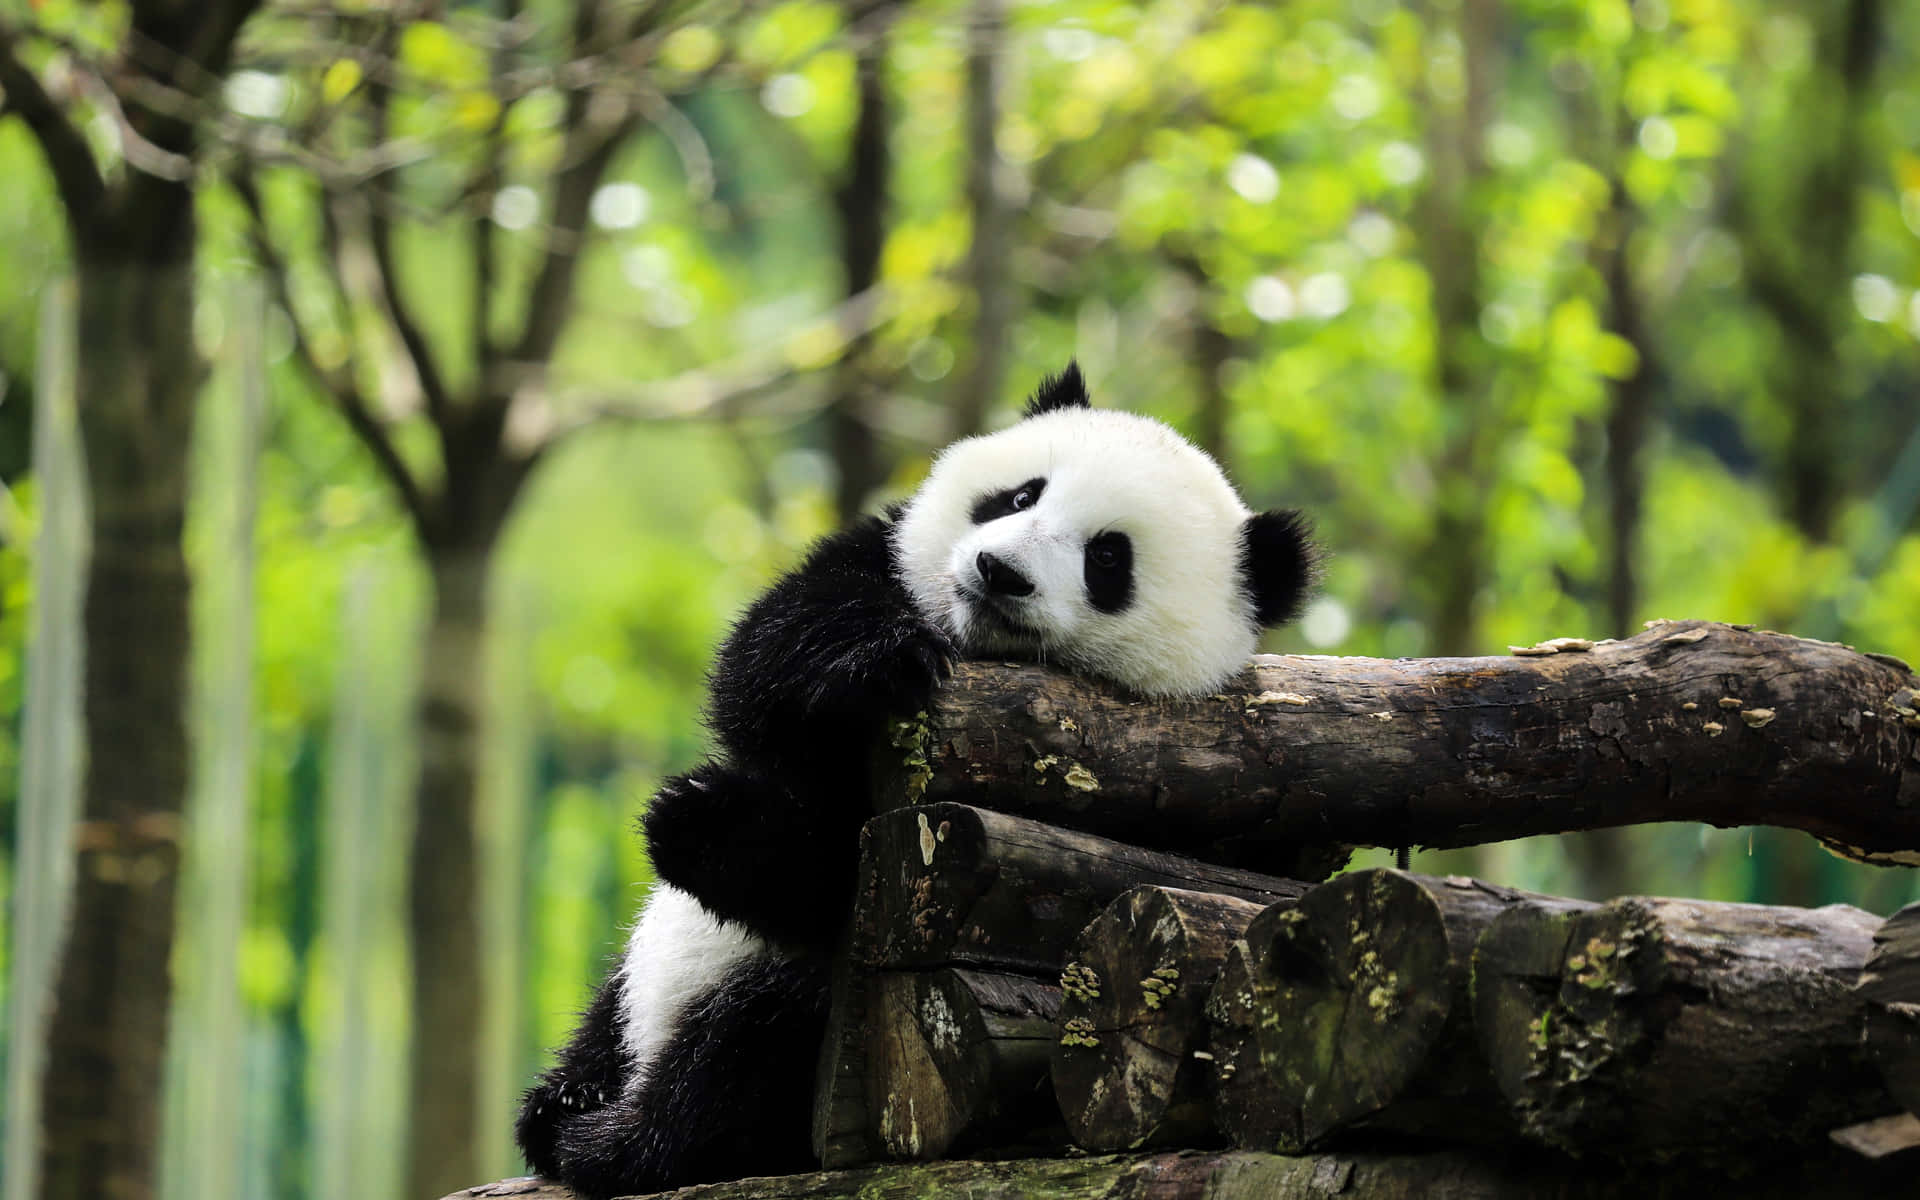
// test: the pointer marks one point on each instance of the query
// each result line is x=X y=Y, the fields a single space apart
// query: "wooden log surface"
x=957 y=1061
x=1689 y=720
x=948 y=884
x=1656 y=1029
x=1510 y=1174
x=1247 y=1107
x=1363 y=1016
x=1891 y=987
x=1129 y=1066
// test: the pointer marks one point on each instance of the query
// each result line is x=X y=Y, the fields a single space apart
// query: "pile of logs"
x=1024 y=981
x=1200 y=1006
x=1015 y=986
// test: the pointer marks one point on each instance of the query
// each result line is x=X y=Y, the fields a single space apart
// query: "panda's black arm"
x=768 y=836
x=819 y=661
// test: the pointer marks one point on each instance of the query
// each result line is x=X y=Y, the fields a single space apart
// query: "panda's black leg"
x=729 y=1097
x=590 y=1073
x=774 y=858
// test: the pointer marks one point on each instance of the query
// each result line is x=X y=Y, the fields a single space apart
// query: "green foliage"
x=1311 y=186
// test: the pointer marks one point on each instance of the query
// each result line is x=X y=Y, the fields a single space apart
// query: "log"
x=1361 y=1014
x=957 y=1060
x=1688 y=721
x=948 y=884
x=1247 y=1175
x=1679 y=1029
x=1246 y=1106
x=1129 y=1063
x=1891 y=987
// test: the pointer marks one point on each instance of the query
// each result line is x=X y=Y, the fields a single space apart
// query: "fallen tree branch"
x=1690 y=721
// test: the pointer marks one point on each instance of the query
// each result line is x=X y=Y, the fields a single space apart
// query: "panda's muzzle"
x=1000 y=578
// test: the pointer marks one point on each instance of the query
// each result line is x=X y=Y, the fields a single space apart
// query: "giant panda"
x=1100 y=541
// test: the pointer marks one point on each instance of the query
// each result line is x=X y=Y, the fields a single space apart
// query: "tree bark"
x=444 y=893
x=1687 y=721
x=1364 y=1017
x=957 y=1061
x=1129 y=1064
x=1652 y=1030
x=1891 y=987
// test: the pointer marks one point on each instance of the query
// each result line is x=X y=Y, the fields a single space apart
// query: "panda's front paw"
x=925 y=661
x=886 y=678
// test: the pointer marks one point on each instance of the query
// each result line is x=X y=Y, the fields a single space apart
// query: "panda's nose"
x=1000 y=578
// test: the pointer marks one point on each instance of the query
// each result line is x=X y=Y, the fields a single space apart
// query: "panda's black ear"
x=1065 y=390
x=1278 y=563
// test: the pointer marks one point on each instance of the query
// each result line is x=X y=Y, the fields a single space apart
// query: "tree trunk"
x=988 y=269
x=1129 y=1066
x=138 y=378
x=1688 y=721
x=863 y=199
x=1650 y=1029
x=444 y=907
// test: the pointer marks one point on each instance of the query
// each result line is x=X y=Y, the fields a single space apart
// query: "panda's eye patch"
x=1005 y=503
x=1109 y=571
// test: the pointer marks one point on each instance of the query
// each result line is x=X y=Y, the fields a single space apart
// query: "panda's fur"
x=1100 y=541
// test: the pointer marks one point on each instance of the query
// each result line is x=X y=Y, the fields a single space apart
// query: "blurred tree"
x=130 y=217
x=466 y=133
x=1797 y=229
x=988 y=269
x=1459 y=106
x=862 y=200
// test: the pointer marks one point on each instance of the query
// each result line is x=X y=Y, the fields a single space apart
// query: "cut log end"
x=1125 y=1068
x=958 y=1060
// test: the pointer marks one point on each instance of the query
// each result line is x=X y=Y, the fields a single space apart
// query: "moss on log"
x=1687 y=721
x=1679 y=1029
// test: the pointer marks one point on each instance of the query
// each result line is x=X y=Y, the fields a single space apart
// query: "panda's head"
x=1102 y=541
